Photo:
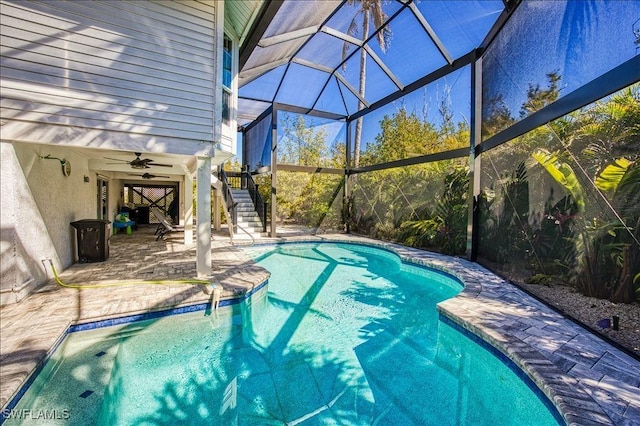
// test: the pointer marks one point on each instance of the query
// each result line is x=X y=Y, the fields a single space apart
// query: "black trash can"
x=93 y=239
x=142 y=212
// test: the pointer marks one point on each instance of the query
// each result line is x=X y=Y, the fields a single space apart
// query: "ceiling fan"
x=140 y=163
x=148 y=176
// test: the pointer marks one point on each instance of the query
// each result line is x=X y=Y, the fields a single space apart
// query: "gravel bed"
x=589 y=311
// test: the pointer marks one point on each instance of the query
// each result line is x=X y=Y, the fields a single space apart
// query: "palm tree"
x=371 y=10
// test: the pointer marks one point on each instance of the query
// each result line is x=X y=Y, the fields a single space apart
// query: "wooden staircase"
x=248 y=218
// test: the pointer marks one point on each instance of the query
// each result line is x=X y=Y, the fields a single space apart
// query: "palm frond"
x=379 y=18
x=609 y=179
x=561 y=173
x=352 y=30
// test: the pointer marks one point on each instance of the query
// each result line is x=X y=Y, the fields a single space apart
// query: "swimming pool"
x=347 y=334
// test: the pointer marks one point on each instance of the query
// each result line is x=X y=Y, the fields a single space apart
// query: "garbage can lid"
x=90 y=222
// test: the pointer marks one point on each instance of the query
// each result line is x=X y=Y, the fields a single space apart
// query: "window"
x=227 y=61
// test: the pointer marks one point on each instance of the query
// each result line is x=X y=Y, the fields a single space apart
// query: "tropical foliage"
x=308 y=198
x=587 y=231
x=422 y=205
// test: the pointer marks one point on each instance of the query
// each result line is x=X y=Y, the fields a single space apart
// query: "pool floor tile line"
x=589 y=380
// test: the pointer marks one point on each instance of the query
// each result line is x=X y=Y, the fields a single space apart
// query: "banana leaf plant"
x=607 y=247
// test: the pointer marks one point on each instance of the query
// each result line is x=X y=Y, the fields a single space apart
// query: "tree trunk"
x=625 y=293
x=361 y=91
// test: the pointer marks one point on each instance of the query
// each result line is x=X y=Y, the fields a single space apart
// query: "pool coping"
x=588 y=380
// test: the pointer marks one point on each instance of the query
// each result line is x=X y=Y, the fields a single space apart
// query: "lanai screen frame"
x=610 y=82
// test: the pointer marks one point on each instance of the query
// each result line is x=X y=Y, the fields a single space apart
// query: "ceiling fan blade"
x=117 y=159
x=150 y=176
x=151 y=163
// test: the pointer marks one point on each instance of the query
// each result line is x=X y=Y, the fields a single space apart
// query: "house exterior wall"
x=111 y=75
x=138 y=76
x=38 y=205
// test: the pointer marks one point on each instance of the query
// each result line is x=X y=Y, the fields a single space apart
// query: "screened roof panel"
x=262 y=57
x=264 y=87
x=411 y=54
x=351 y=16
x=461 y=24
x=350 y=100
x=331 y=99
x=323 y=49
x=294 y=15
x=248 y=110
x=301 y=95
x=377 y=83
x=310 y=36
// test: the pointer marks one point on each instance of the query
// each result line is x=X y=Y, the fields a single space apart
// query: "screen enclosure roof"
x=339 y=57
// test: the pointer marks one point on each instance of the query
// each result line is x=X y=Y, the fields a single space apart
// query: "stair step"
x=251 y=229
x=248 y=215
x=249 y=218
x=244 y=234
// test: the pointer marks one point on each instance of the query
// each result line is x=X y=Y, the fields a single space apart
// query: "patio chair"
x=165 y=225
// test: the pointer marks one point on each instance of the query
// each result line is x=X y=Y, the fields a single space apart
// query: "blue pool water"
x=345 y=334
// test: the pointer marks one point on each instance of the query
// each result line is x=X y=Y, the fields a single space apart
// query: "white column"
x=187 y=199
x=203 y=212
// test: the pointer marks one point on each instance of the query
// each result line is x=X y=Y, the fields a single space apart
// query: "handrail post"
x=264 y=215
x=255 y=194
x=243 y=179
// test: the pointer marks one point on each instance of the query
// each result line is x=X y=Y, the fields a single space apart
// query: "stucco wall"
x=38 y=205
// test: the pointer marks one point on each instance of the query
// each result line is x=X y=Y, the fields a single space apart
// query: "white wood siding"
x=136 y=75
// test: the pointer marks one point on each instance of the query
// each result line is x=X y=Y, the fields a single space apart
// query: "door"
x=103 y=199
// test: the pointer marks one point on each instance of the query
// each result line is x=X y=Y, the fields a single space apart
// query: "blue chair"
x=122 y=221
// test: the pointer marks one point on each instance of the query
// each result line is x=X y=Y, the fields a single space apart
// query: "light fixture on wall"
x=66 y=165
x=86 y=179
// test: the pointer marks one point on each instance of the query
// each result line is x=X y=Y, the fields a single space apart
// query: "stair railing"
x=253 y=240
x=228 y=198
x=234 y=180
x=258 y=201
